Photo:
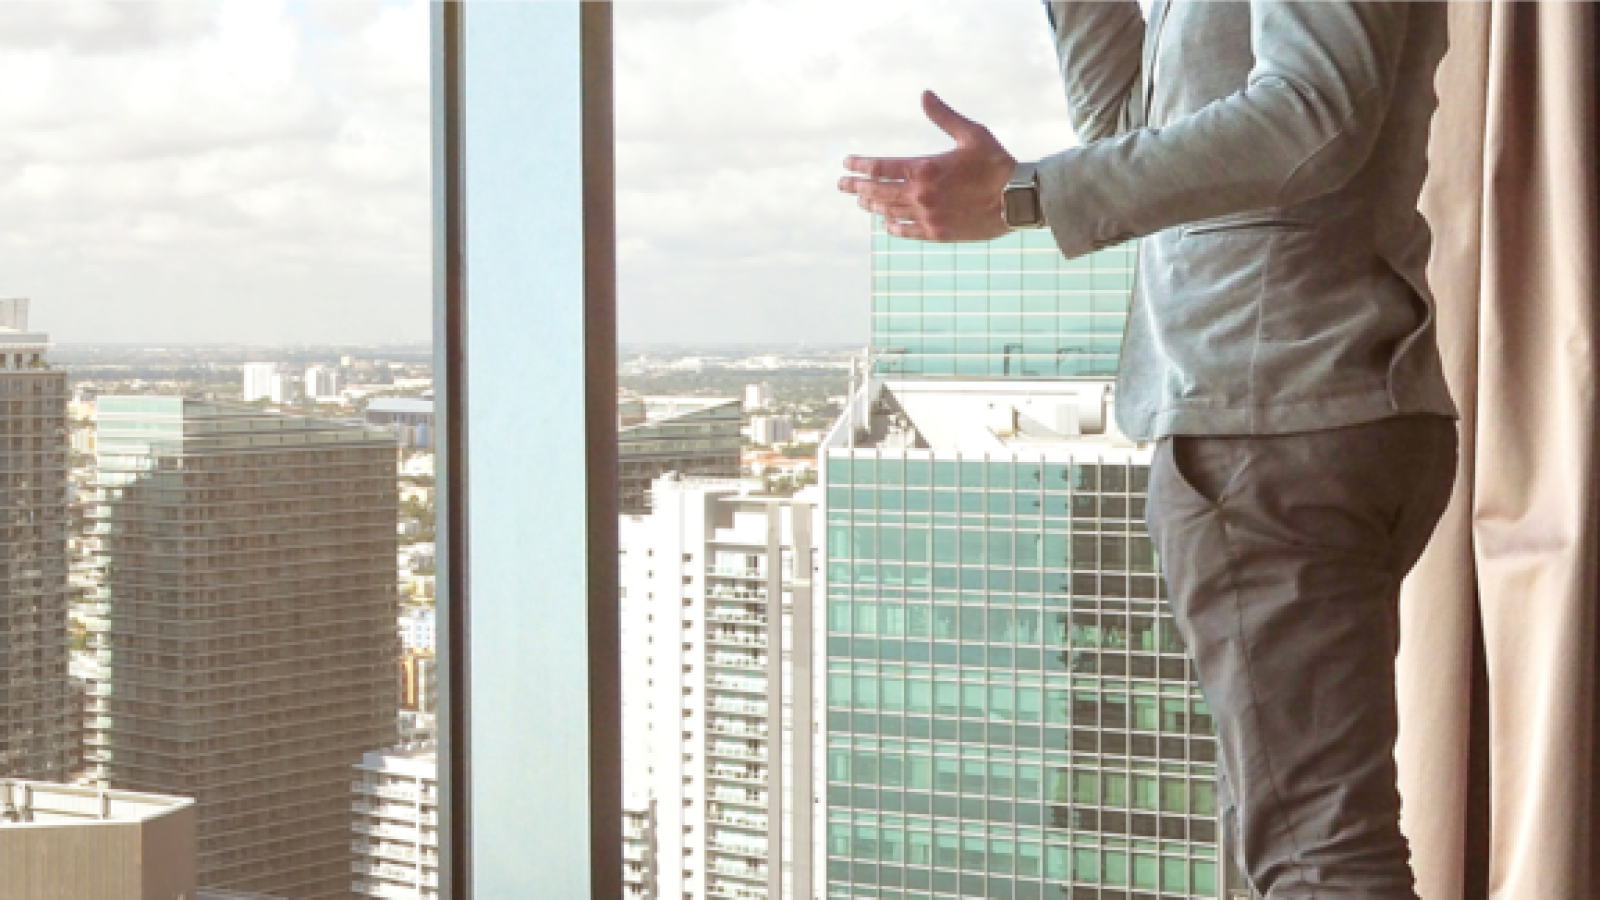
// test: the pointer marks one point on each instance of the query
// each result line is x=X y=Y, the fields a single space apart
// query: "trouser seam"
x=1291 y=826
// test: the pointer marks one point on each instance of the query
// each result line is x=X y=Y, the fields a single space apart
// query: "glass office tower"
x=1012 y=307
x=1010 y=712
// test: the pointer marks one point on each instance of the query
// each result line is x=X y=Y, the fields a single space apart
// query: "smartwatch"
x=1020 y=205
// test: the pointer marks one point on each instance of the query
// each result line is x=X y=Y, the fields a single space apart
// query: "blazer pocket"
x=1246 y=224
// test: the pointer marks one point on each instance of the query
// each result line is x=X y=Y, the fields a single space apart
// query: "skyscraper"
x=36 y=705
x=1012 y=307
x=716 y=660
x=247 y=645
x=1010 y=713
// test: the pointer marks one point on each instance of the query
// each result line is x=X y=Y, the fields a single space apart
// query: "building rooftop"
x=418 y=759
x=400 y=405
x=633 y=410
x=14 y=333
x=34 y=803
x=144 y=424
x=981 y=416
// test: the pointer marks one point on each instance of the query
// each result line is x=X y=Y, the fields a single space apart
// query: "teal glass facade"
x=1010 y=713
x=1013 y=307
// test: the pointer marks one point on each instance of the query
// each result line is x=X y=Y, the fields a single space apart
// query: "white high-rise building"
x=323 y=384
x=716 y=649
x=258 y=380
x=396 y=826
x=639 y=862
x=285 y=388
x=757 y=396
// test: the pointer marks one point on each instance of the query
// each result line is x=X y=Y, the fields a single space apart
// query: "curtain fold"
x=1512 y=196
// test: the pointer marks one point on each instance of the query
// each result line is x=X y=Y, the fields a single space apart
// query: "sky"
x=253 y=171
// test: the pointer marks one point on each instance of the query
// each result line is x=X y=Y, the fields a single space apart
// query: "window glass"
x=1146 y=871
x=1085 y=865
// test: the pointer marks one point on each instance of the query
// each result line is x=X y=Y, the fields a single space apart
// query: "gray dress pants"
x=1283 y=555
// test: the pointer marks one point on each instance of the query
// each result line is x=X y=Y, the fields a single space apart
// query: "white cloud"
x=237 y=171
x=732 y=122
x=103 y=26
x=257 y=170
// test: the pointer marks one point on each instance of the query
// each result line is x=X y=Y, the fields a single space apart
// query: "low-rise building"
x=417 y=630
x=411 y=418
x=86 y=843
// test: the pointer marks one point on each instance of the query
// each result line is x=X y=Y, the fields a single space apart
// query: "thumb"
x=949 y=121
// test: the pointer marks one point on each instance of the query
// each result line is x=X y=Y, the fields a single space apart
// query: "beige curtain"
x=1500 y=772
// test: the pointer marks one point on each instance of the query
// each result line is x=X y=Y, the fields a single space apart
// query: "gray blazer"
x=1270 y=155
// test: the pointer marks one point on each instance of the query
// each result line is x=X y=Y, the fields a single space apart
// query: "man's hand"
x=953 y=196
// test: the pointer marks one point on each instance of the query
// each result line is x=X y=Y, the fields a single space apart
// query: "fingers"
x=963 y=129
x=888 y=209
x=880 y=167
x=913 y=230
x=890 y=191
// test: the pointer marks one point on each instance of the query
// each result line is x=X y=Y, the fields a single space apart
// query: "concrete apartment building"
x=640 y=864
x=692 y=436
x=716 y=682
x=64 y=842
x=244 y=628
x=37 y=706
x=395 y=832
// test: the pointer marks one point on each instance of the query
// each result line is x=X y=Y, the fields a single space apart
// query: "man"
x=1280 y=350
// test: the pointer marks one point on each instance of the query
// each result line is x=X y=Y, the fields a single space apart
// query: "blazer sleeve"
x=1100 y=47
x=1303 y=125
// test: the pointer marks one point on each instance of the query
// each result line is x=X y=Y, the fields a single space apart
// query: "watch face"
x=1021 y=207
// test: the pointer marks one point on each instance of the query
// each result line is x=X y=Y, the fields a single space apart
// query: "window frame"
x=524 y=244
